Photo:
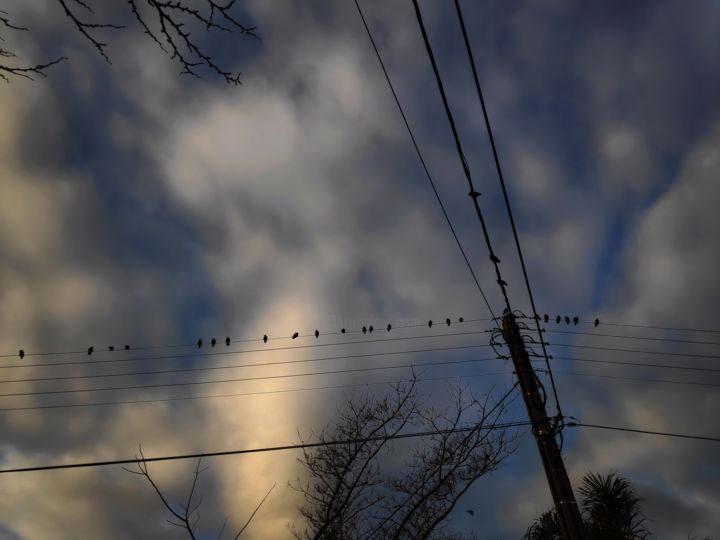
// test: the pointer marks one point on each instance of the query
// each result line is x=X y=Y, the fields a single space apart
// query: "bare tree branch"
x=24 y=72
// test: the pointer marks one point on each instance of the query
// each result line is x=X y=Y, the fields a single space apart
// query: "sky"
x=141 y=206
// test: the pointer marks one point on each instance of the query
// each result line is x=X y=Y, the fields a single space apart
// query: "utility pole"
x=560 y=488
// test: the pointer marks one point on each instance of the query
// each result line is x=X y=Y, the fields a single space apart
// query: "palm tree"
x=610 y=509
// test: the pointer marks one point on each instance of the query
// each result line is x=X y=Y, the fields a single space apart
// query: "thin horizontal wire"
x=638 y=364
x=244 y=379
x=244 y=351
x=663 y=353
x=233 y=366
x=261 y=392
x=642 y=338
x=265 y=449
x=674 y=328
x=639 y=379
x=644 y=431
x=254 y=340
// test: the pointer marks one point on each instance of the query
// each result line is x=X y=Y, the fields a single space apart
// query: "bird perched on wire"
x=265 y=338
x=558 y=319
x=199 y=343
x=430 y=324
x=364 y=330
x=317 y=334
x=213 y=342
x=22 y=354
x=576 y=320
x=448 y=321
x=342 y=330
x=546 y=318
x=127 y=347
x=370 y=330
x=461 y=319
x=567 y=319
x=295 y=335
x=227 y=341
x=597 y=321
x=389 y=327
x=90 y=350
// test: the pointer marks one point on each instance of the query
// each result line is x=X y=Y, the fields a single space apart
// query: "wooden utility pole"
x=560 y=488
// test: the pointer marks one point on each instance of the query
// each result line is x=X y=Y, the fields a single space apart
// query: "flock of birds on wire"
x=365 y=330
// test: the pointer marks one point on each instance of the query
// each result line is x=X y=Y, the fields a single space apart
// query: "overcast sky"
x=140 y=206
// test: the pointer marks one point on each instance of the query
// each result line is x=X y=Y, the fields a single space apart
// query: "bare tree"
x=187 y=516
x=173 y=25
x=355 y=490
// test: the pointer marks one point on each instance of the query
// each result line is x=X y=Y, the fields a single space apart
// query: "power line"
x=257 y=393
x=642 y=338
x=343 y=331
x=234 y=366
x=640 y=351
x=244 y=351
x=650 y=327
x=422 y=160
x=638 y=364
x=266 y=449
x=243 y=379
x=498 y=168
x=638 y=379
x=644 y=431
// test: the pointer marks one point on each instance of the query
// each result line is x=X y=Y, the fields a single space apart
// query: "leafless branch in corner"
x=188 y=516
x=352 y=492
x=173 y=25
x=25 y=72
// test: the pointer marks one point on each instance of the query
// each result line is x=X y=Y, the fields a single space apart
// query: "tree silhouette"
x=173 y=25
x=610 y=507
x=352 y=490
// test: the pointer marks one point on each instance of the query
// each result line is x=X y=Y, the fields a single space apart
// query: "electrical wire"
x=640 y=351
x=644 y=431
x=243 y=351
x=650 y=327
x=257 y=393
x=234 y=366
x=637 y=364
x=639 y=379
x=498 y=168
x=461 y=320
x=422 y=160
x=301 y=446
x=641 y=338
x=243 y=379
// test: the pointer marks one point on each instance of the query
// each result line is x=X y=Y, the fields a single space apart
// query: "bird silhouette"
x=597 y=321
x=364 y=330
x=448 y=321
x=430 y=324
x=502 y=282
x=90 y=350
x=111 y=348
x=471 y=512
x=22 y=354
x=461 y=319
x=127 y=347
x=295 y=335
x=494 y=258
x=558 y=319
x=227 y=341
x=567 y=319
x=546 y=318
x=389 y=327
x=213 y=342
x=265 y=338
x=370 y=329
x=199 y=343
x=342 y=330
x=576 y=320
x=317 y=334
